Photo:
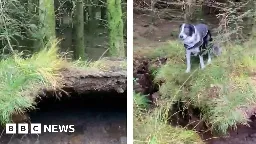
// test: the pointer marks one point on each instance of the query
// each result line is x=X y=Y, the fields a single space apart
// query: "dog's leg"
x=201 y=61
x=188 y=56
x=209 y=57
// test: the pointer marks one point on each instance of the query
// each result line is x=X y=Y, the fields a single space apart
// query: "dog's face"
x=186 y=31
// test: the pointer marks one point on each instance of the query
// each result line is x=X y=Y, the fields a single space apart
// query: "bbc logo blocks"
x=37 y=128
x=23 y=128
x=10 y=128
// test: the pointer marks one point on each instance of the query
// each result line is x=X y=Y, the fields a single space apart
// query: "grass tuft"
x=104 y=64
x=21 y=79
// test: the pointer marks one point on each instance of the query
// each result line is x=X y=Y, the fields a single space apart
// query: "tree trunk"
x=103 y=11
x=124 y=9
x=115 y=25
x=47 y=19
x=252 y=20
x=86 y=15
x=189 y=10
x=92 y=10
x=33 y=9
x=125 y=24
x=79 y=51
x=32 y=6
x=90 y=17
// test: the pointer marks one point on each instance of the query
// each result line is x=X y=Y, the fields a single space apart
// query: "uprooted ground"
x=150 y=37
x=23 y=81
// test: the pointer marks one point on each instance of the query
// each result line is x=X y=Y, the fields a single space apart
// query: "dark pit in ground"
x=98 y=118
x=144 y=85
x=242 y=135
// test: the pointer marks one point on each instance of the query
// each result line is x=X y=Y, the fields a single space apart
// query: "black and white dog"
x=196 y=40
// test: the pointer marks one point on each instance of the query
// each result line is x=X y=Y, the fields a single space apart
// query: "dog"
x=196 y=39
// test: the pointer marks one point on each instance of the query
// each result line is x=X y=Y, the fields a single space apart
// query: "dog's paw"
x=187 y=71
x=202 y=67
x=209 y=61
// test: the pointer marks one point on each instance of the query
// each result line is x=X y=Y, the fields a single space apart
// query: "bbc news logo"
x=37 y=128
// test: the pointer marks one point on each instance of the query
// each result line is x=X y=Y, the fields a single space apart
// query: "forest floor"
x=96 y=43
x=158 y=60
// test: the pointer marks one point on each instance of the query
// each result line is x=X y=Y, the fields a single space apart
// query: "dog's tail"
x=210 y=35
x=216 y=49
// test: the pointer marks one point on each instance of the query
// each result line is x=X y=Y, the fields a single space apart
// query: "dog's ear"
x=180 y=26
x=191 y=28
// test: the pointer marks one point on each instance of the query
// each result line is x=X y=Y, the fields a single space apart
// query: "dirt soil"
x=149 y=35
x=146 y=34
x=94 y=80
x=243 y=135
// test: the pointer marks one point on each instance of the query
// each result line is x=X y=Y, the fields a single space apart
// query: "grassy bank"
x=21 y=79
x=223 y=91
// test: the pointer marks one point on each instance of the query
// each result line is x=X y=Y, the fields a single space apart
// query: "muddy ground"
x=99 y=118
x=153 y=35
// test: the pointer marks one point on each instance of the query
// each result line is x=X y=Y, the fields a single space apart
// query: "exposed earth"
x=153 y=35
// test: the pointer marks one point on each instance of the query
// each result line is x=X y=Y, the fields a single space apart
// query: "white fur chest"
x=194 y=51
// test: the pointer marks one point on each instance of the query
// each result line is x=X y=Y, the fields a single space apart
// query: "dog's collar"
x=197 y=38
x=198 y=44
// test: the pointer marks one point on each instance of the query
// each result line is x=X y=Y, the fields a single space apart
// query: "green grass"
x=21 y=79
x=220 y=90
x=140 y=101
x=103 y=64
x=148 y=129
x=172 y=50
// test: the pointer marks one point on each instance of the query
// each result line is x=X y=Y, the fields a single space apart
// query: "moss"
x=47 y=19
x=115 y=25
x=79 y=51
